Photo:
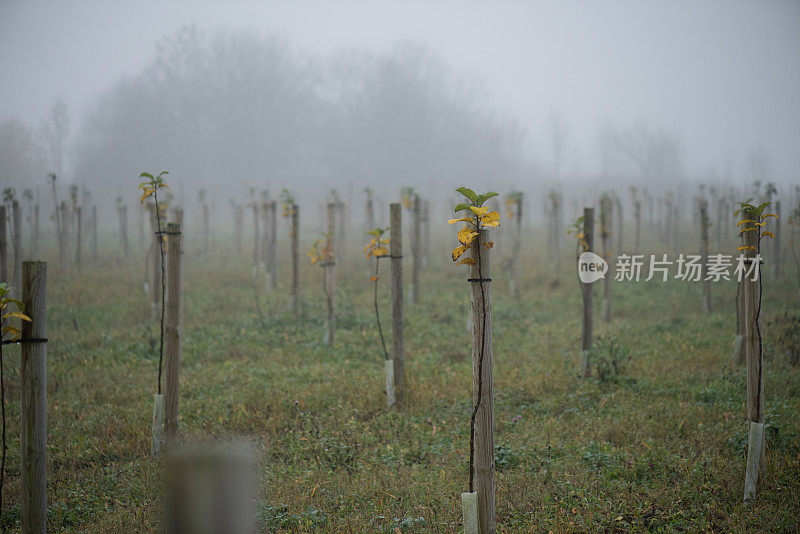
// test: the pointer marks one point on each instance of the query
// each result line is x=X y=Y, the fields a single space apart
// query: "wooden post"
x=295 y=238
x=517 y=247
x=173 y=345
x=340 y=231
x=586 y=291
x=123 y=229
x=606 y=219
x=265 y=244
x=396 y=257
x=776 y=243
x=94 y=232
x=256 y=237
x=426 y=231
x=756 y=460
x=78 y=236
x=33 y=398
x=482 y=384
x=3 y=246
x=415 y=250
x=273 y=245
x=238 y=223
x=330 y=275
x=210 y=490
x=704 y=247
x=62 y=239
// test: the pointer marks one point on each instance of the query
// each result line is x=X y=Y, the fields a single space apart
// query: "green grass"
x=659 y=447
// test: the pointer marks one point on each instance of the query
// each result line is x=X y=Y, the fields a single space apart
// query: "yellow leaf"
x=751 y=229
x=458 y=251
x=15 y=333
x=385 y=241
x=462 y=219
x=746 y=247
x=373 y=278
x=769 y=215
x=466 y=236
x=480 y=212
x=744 y=221
x=488 y=244
x=466 y=261
x=18 y=315
x=491 y=216
x=770 y=234
x=380 y=251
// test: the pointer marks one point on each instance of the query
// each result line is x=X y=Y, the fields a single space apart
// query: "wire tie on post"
x=479 y=279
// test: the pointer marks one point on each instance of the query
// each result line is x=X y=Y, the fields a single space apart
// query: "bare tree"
x=54 y=130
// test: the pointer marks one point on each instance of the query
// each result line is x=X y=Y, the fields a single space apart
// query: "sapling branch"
x=375 y=302
x=150 y=188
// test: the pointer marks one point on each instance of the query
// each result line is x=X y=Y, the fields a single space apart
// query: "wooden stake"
x=586 y=291
x=273 y=245
x=238 y=224
x=704 y=248
x=265 y=244
x=426 y=231
x=33 y=394
x=295 y=238
x=94 y=233
x=330 y=276
x=753 y=349
x=173 y=349
x=606 y=219
x=396 y=258
x=211 y=490
x=62 y=238
x=516 y=249
x=256 y=237
x=78 y=236
x=482 y=380
x=415 y=250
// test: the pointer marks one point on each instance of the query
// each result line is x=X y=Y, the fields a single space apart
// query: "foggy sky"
x=724 y=76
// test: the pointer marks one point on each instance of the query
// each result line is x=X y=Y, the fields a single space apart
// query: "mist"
x=382 y=94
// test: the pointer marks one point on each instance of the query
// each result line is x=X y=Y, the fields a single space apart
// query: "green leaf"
x=461 y=207
x=484 y=197
x=469 y=193
x=146 y=175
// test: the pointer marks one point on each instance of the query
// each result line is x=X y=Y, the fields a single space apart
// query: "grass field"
x=658 y=445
